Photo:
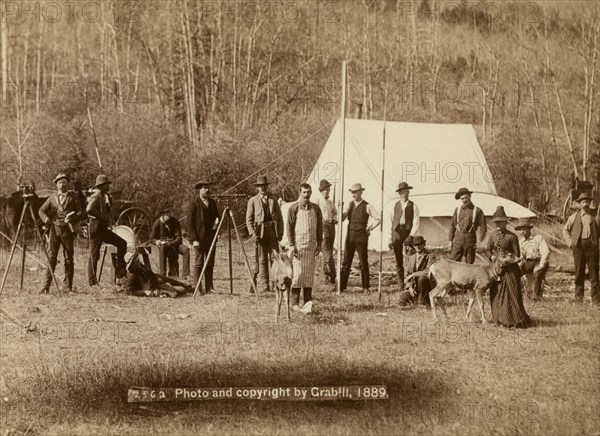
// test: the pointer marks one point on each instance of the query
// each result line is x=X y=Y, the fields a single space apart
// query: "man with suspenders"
x=467 y=221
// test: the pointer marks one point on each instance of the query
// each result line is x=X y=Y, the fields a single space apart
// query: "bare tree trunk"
x=4 y=57
x=38 y=74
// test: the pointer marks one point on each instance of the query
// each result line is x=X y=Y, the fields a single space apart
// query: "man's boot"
x=579 y=293
x=400 y=281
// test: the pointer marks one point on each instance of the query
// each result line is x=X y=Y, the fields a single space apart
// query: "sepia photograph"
x=299 y=217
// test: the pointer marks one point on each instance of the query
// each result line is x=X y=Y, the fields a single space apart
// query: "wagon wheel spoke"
x=139 y=222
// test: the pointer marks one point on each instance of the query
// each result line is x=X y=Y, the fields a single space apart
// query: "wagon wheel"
x=138 y=220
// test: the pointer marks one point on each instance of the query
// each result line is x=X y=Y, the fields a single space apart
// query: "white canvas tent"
x=435 y=159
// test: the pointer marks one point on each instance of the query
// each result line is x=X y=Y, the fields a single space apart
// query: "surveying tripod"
x=27 y=197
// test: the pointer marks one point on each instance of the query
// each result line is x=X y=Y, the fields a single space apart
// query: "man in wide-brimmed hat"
x=166 y=234
x=99 y=228
x=581 y=233
x=405 y=225
x=202 y=221
x=264 y=223
x=362 y=219
x=418 y=270
x=329 y=212
x=60 y=212
x=534 y=259
x=467 y=227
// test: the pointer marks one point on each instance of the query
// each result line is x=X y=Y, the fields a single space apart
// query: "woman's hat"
x=500 y=215
x=356 y=187
x=461 y=192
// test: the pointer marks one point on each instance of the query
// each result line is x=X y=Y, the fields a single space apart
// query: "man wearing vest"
x=581 y=233
x=60 y=212
x=99 y=229
x=265 y=223
x=202 y=220
x=329 y=212
x=405 y=224
x=467 y=221
x=357 y=237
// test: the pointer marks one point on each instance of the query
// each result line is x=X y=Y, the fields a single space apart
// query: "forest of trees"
x=185 y=89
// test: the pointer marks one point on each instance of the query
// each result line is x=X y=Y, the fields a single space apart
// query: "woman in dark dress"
x=507 y=298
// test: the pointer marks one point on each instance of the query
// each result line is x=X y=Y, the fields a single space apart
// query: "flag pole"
x=341 y=181
x=382 y=186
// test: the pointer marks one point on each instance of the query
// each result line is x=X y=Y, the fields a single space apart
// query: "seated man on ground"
x=166 y=234
x=142 y=282
x=417 y=280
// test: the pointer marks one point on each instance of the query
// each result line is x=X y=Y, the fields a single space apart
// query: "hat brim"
x=261 y=184
x=580 y=199
x=356 y=190
x=524 y=226
x=419 y=243
x=407 y=188
x=201 y=184
x=460 y=194
x=101 y=184
x=61 y=178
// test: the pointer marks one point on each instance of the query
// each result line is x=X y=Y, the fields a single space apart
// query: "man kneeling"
x=142 y=282
x=418 y=269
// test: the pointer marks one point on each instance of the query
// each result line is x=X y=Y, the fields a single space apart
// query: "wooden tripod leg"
x=37 y=229
x=287 y=302
x=102 y=263
x=210 y=252
x=24 y=243
x=237 y=233
x=279 y=298
x=14 y=247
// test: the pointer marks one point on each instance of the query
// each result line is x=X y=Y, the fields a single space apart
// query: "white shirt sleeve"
x=416 y=221
x=544 y=251
x=375 y=217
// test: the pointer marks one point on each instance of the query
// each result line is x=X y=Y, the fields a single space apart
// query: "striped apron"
x=306 y=243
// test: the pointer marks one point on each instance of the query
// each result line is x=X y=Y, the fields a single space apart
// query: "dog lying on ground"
x=476 y=279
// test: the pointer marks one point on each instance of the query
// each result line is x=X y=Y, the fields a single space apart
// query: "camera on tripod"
x=28 y=189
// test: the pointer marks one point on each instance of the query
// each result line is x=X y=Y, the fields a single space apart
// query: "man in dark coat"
x=166 y=234
x=265 y=223
x=467 y=227
x=98 y=210
x=582 y=233
x=418 y=270
x=60 y=213
x=202 y=220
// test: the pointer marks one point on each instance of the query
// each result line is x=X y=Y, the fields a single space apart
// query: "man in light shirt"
x=362 y=219
x=405 y=224
x=581 y=234
x=534 y=259
x=329 y=212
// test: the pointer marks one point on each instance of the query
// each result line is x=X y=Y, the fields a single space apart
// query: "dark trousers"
x=534 y=279
x=170 y=255
x=398 y=246
x=295 y=299
x=100 y=234
x=60 y=236
x=422 y=285
x=464 y=245
x=586 y=253
x=328 y=260
x=355 y=243
x=201 y=253
x=263 y=249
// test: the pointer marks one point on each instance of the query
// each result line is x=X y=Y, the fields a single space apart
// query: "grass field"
x=72 y=376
